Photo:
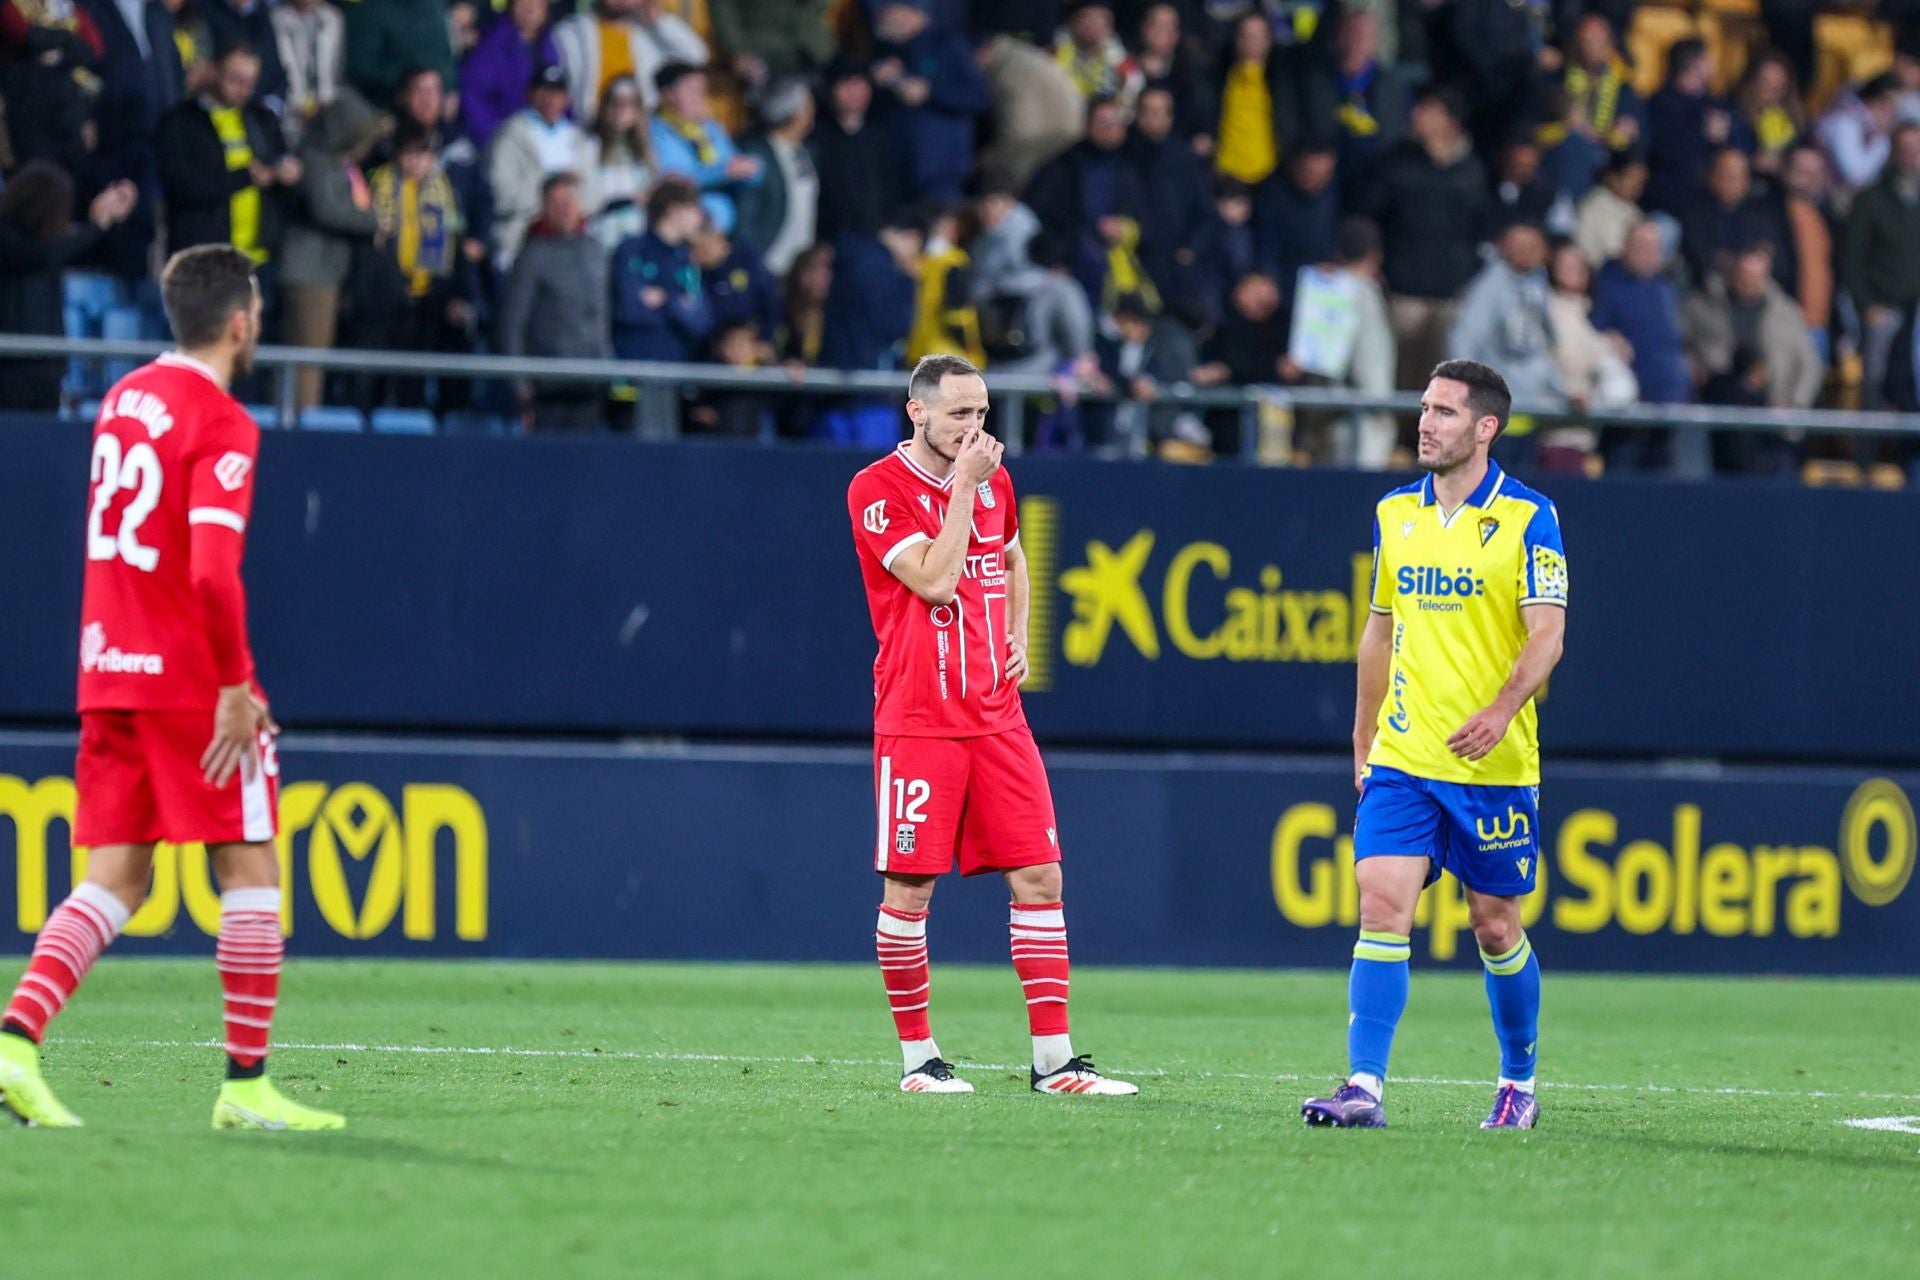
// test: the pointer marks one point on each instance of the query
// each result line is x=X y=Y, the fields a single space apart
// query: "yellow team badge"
x=1488 y=527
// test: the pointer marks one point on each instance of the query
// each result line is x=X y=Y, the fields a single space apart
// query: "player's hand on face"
x=237 y=720
x=1017 y=665
x=979 y=456
x=1480 y=734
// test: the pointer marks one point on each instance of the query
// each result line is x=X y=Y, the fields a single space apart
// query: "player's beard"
x=243 y=358
x=1444 y=461
x=951 y=456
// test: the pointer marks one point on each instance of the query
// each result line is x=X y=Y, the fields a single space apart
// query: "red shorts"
x=140 y=781
x=984 y=799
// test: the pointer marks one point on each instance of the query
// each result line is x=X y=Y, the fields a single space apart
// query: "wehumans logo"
x=97 y=655
x=356 y=845
x=1513 y=831
x=1259 y=623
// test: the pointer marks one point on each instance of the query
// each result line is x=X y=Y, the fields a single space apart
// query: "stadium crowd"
x=1119 y=194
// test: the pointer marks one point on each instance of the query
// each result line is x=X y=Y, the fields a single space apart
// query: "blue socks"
x=1513 y=992
x=1376 y=997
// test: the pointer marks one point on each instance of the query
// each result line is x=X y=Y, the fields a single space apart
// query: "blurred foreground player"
x=164 y=658
x=1469 y=612
x=956 y=771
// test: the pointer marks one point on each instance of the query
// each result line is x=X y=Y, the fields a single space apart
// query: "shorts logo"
x=1514 y=823
x=231 y=471
x=875 y=517
x=985 y=493
x=1525 y=864
x=1488 y=527
x=97 y=655
x=903 y=838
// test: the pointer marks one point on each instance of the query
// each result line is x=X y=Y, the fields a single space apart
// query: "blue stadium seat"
x=328 y=417
x=86 y=411
x=477 y=422
x=266 y=415
x=405 y=422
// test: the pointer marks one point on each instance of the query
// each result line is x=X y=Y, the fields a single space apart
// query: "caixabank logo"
x=1666 y=870
x=1197 y=600
x=370 y=866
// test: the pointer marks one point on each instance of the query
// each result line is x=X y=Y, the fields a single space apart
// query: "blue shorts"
x=1489 y=837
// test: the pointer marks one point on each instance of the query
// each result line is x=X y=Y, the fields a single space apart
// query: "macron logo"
x=1053 y=837
x=231 y=471
x=97 y=655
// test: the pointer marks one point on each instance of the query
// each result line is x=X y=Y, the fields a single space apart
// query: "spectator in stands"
x=194 y=42
x=1728 y=216
x=1806 y=197
x=1635 y=298
x=1745 y=384
x=1149 y=355
x=780 y=215
x=1603 y=116
x=1744 y=307
x=1429 y=196
x=1354 y=92
x=1091 y=202
x=420 y=226
x=688 y=141
x=1686 y=124
x=335 y=224
x=739 y=289
x=860 y=173
x=619 y=166
x=804 y=307
x=140 y=80
x=635 y=38
x=1174 y=59
x=931 y=95
x=311 y=37
x=1227 y=248
x=1037 y=111
x=250 y=23
x=1857 y=130
x=1247 y=346
x=495 y=76
x=1093 y=55
x=555 y=306
x=945 y=316
x=46 y=53
x=1595 y=368
x=1770 y=106
x=421 y=98
x=1257 y=104
x=1297 y=215
x=1611 y=208
x=38 y=240
x=660 y=307
x=224 y=165
x=1175 y=183
x=770 y=40
x=1493 y=54
x=386 y=38
x=533 y=145
x=463 y=27
x=870 y=312
x=1522 y=191
x=739 y=414
x=1339 y=335
x=1502 y=320
x=1033 y=320
x=1882 y=257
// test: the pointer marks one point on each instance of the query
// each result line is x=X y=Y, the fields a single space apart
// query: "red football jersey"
x=940 y=672
x=171 y=450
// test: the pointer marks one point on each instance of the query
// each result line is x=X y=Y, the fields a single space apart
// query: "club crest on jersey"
x=875 y=517
x=985 y=492
x=231 y=471
x=926 y=502
x=1488 y=527
x=903 y=838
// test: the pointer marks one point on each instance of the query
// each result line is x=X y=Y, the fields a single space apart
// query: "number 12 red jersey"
x=171 y=451
x=941 y=669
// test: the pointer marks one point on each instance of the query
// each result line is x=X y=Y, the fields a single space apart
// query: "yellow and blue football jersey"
x=1455 y=583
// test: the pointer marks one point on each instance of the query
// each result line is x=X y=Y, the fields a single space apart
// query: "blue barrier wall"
x=394 y=848
x=602 y=585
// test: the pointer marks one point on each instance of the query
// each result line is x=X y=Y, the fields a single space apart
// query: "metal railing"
x=659 y=389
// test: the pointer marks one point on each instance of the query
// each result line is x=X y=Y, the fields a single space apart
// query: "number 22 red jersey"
x=941 y=669
x=171 y=450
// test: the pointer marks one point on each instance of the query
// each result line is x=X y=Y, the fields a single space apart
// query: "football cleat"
x=1079 y=1077
x=256 y=1104
x=1350 y=1107
x=935 y=1075
x=24 y=1096
x=1513 y=1109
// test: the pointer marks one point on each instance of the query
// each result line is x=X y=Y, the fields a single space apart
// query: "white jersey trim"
x=218 y=515
x=900 y=452
x=178 y=360
x=912 y=539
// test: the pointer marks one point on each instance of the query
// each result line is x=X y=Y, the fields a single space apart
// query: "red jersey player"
x=175 y=740
x=956 y=771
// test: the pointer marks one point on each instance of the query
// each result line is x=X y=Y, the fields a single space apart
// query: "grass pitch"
x=669 y=1120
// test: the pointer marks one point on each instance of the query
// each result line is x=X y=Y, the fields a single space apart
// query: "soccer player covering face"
x=175 y=739
x=1469 y=611
x=956 y=772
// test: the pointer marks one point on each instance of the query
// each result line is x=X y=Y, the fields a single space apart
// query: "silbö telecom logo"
x=1437 y=591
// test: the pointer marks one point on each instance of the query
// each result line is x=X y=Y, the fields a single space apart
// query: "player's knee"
x=1040 y=884
x=131 y=891
x=1383 y=911
x=1499 y=931
x=908 y=893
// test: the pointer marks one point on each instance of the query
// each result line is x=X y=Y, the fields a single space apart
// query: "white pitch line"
x=628 y=1055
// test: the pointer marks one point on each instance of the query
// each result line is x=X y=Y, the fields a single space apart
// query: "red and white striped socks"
x=72 y=939
x=900 y=943
x=1038 y=934
x=249 y=955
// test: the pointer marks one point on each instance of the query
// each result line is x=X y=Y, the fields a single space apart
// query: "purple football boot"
x=1350 y=1107
x=1512 y=1109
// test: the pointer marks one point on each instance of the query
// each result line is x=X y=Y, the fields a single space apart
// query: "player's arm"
x=1546 y=635
x=932 y=569
x=1019 y=596
x=220 y=497
x=1374 y=661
